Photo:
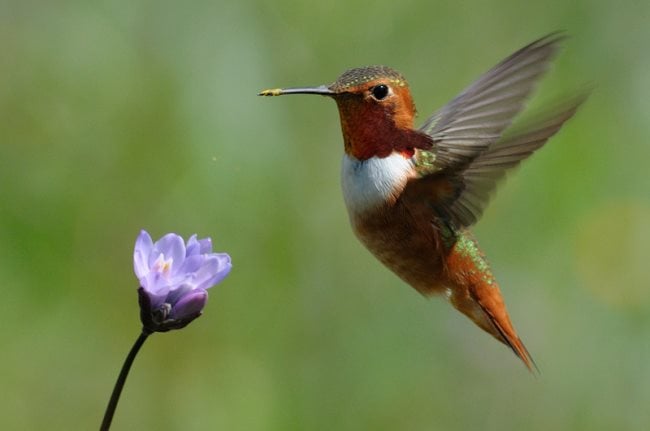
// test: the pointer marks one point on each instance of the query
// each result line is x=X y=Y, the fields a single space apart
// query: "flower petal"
x=193 y=247
x=172 y=246
x=156 y=284
x=178 y=292
x=191 y=265
x=201 y=246
x=206 y=245
x=143 y=246
x=189 y=305
x=215 y=268
x=155 y=300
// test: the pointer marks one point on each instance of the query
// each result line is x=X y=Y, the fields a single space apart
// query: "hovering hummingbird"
x=413 y=193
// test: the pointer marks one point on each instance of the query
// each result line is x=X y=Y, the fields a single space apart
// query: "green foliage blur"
x=122 y=115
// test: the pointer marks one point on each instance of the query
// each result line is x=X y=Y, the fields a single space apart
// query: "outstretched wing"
x=475 y=119
x=459 y=197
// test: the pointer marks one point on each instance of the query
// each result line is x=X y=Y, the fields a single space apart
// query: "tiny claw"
x=270 y=92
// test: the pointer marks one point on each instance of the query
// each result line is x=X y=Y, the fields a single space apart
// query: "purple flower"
x=174 y=278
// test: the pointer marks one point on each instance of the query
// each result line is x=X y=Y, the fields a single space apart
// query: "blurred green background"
x=122 y=115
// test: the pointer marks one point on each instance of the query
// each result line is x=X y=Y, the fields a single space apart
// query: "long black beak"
x=323 y=90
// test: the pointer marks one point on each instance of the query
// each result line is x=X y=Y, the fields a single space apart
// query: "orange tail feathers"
x=475 y=293
x=486 y=309
x=504 y=331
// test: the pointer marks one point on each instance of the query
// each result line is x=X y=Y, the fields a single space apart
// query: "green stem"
x=119 y=384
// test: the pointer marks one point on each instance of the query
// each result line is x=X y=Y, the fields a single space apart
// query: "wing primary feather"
x=475 y=119
x=475 y=184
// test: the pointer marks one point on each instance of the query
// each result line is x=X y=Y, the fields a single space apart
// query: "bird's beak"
x=323 y=90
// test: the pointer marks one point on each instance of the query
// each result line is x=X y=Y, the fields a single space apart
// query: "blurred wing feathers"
x=461 y=197
x=475 y=119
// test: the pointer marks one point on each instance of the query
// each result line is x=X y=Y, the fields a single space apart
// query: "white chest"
x=369 y=183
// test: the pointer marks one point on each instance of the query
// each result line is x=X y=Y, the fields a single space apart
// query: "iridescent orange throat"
x=374 y=130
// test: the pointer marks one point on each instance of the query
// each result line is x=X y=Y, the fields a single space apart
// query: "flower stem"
x=121 y=379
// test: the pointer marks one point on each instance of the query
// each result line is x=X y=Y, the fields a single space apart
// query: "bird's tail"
x=490 y=314
x=477 y=295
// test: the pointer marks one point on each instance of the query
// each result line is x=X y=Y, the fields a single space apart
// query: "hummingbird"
x=412 y=194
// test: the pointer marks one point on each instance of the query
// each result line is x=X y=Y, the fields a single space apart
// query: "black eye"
x=380 y=91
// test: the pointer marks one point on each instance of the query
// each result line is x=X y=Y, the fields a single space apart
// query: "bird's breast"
x=371 y=183
x=396 y=233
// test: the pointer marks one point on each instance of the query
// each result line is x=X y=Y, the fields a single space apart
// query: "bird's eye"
x=380 y=91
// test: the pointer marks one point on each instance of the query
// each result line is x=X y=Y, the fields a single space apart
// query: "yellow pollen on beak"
x=271 y=92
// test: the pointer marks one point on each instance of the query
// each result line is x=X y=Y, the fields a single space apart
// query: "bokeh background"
x=122 y=115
